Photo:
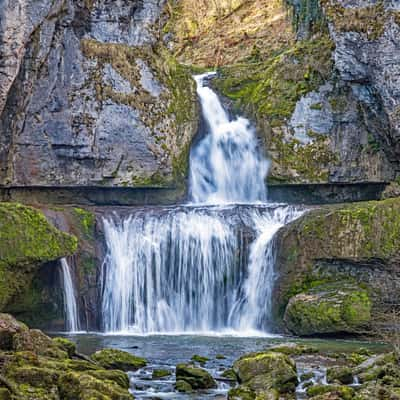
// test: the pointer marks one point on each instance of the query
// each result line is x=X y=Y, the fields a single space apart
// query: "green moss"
x=345 y=392
x=87 y=221
x=160 y=373
x=329 y=308
x=27 y=240
x=272 y=88
x=117 y=359
x=200 y=359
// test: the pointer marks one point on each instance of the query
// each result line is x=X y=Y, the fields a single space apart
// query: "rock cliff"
x=90 y=96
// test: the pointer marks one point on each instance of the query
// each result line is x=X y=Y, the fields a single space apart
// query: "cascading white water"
x=70 y=306
x=203 y=267
x=225 y=167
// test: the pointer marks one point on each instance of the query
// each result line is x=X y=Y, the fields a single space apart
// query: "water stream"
x=70 y=306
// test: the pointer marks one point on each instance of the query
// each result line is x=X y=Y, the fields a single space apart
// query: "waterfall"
x=225 y=167
x=207 y=265
x=70 y=306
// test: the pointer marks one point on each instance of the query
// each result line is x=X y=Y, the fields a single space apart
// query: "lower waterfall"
x=70 y=306
x=191 y=269
x=207 y=266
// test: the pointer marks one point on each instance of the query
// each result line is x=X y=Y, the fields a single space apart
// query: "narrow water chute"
x=70 y=304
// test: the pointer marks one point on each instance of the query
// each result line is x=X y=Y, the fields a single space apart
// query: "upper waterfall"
x=226 y=166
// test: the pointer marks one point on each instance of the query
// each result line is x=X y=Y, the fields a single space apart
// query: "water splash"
x=70 y=305
x=226 y=165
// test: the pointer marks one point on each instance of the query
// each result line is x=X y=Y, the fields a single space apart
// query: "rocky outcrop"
x=268 y=374
x=90 y=96
x=355 y=244
x=330 y=308
x=34 y=366
x=194 y=378
x=27 y=241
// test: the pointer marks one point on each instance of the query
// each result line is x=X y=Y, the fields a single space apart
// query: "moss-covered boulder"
x=9 y=327
x=266 y=371
x=322 y=392
x=340 y=374
x=160 y=373
x=197 y=378
x=241 y=393
x=39 y=368
x=183 y=386
x=27 y=240
x=356 y=243
x=329 y=308
x=118 y=359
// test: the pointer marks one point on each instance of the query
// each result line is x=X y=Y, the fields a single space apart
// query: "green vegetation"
x=117 y=359
x=329 y=308
x=27 y=240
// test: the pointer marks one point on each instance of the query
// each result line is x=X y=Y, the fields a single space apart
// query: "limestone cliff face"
x=89 y=95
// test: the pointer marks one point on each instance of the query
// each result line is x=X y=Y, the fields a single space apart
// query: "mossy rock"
x=9 y=327
x=119 y=377
x=229 y=374
x=118 y=359
x=293 y=349
x=37 y=342
x=241 y=393
x=160 y=373
x=200 y=359
x=183 y=386
x=266 y=371
x=340 y=374
x=198 y=378
x=65 y=345
x=74 y=386
x=329 y=308
x=5 y=394
x=343 y=392
x=27 y=240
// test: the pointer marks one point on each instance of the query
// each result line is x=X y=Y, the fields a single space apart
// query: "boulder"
x=118 y=359
x=9 y=326
x=340 y=374
x=160 y=373
x=183 y=386
x=198 y=378
x=329 y=308
x=266 y=371
x=330 y=392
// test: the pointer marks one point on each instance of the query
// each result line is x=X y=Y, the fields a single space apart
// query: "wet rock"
x=183 y=386
x=266 y=371
x=200 y=359
x=118 y=359
x=329 y=308
x=198 y=378
x=341 y=374
x=160 y=373
x=229 y=374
